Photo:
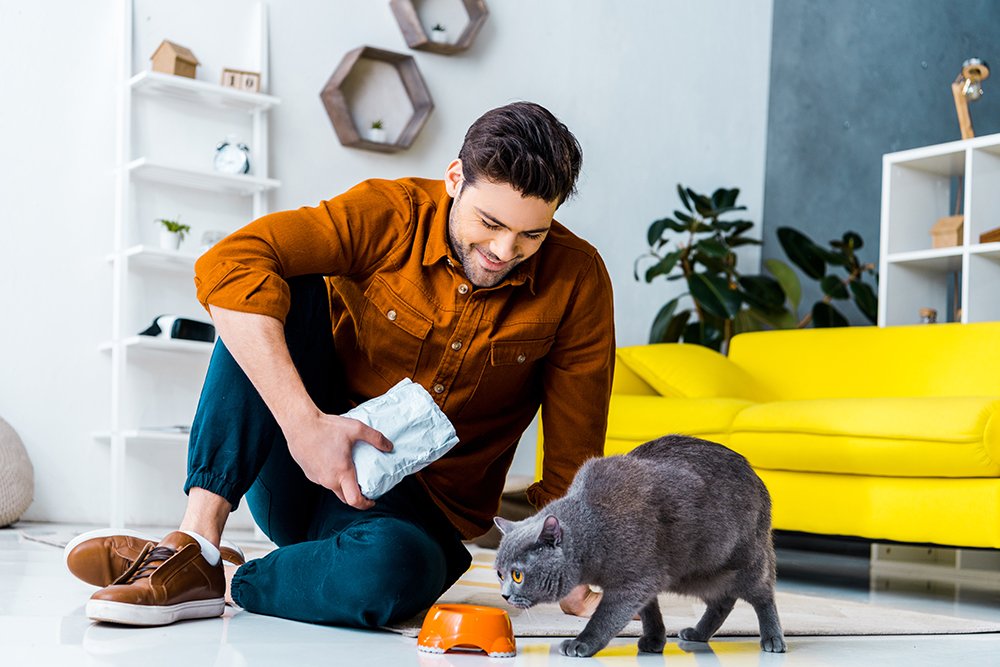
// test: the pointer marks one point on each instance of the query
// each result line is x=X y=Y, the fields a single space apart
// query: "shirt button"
x=463 y=289
x=391 y=315
x=438 y=388
x=521 y=358
x=457 y=345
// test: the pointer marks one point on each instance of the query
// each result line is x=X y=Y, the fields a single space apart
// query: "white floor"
x=42 y=623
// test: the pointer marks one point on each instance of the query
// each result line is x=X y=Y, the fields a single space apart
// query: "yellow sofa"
x=885 y=433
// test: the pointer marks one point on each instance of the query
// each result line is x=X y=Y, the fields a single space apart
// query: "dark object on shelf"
x=180 y=328
x=339 y=110
x=990 y=236
x=928 y=316
x=417 y=38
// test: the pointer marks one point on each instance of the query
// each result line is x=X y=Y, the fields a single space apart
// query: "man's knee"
x=398 y=571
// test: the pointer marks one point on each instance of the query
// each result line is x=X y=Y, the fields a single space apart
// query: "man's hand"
x=322 y=444
x=581 y=601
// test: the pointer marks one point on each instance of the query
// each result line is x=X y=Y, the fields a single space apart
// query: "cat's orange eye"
x=517 y=576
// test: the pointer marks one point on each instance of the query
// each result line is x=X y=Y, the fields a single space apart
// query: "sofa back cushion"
x=860 y=362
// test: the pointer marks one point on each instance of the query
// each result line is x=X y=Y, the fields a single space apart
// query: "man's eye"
x=517 y=576
x=534 y=237
x=490 y=226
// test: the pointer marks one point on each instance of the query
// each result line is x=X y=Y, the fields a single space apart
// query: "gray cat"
x=676 y=514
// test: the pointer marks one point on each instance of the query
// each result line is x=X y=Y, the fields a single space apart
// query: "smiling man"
x=469 y=287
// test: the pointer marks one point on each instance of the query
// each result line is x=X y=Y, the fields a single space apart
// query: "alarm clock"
x=232 y=157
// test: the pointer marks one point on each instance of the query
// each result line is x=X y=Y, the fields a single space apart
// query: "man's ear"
x=551 y=534
x=503 y=524
x=453 y=177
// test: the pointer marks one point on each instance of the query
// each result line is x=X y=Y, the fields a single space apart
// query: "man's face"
x=492 y=228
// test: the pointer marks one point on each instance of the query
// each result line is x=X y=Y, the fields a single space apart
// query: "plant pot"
x=170 y=240
x=439 y=36
x=377 y=135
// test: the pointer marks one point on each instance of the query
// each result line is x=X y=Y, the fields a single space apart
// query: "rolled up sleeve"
x=349 y=235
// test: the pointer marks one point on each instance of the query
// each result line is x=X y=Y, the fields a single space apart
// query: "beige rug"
x=801 y=615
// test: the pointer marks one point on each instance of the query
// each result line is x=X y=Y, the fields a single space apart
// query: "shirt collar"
x=437 y=249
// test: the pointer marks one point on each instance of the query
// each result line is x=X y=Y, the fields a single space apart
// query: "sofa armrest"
x=679 y=370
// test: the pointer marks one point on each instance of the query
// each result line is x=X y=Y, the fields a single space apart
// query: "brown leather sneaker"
x=99 y=557
x=168 y=582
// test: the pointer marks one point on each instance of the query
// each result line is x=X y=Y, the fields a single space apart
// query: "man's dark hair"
x=525 y=146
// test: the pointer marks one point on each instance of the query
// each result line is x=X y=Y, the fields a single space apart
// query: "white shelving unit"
x=919 y=186
x=148 y=281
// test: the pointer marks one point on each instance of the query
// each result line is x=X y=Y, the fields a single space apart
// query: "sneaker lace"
x=153 y=560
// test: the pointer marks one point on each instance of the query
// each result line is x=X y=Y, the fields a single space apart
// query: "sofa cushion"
x=689 y=371
x=863 y=362
x=894 y=437
x=634 y=420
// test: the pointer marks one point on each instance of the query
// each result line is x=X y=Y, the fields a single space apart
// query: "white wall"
x=657 y=91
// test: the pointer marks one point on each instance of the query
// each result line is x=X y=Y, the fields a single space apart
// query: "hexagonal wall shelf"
x=343 y=96
x=416 y=35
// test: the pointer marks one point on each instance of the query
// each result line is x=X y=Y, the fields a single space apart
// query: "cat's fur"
x=676 y=514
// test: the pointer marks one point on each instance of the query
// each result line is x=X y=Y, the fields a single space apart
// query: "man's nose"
x=504 y=247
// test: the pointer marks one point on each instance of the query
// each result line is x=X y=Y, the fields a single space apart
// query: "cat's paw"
x=692 y=635
x=575 y=648
x=775 y=644
x=652 y=644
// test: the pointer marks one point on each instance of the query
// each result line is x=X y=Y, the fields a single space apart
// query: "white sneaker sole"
x=139 y=614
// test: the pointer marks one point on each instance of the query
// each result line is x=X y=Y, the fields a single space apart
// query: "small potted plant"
x=172 y=233
x=439 y=34
x=377 y=132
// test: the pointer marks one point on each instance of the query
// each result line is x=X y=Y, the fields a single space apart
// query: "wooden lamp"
x=968 y=86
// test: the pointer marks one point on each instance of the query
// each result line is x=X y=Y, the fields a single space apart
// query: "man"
x=467 y=286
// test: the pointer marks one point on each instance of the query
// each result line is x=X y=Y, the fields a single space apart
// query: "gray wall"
x=851 y=80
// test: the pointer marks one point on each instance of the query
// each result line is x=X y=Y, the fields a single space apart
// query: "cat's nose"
x=505 y=596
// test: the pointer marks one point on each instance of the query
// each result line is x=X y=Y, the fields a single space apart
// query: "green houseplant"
x=723 y=301
x=172 y=233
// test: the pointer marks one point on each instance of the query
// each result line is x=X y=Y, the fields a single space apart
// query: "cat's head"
x=532 y=563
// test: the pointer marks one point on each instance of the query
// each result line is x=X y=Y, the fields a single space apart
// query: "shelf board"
x=200 y=179
x=140 y=435
x=932 y=259
x=200 y=92
x=154 y=343
x=151 y=257
x=985 y=249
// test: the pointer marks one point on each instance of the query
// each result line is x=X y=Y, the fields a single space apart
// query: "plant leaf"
x=683 y=196
x=664 y=266
x=834 y=287
x=764 y=293
x=712 y=247
x=676 y=327
x=866 y=300
x=853 y=240
x=656 y=230
x=803 y=252
x=714 y=295
x=788 y=280
x=683 y=217
x=702 y=204
x=658 y=331
x=825 y=315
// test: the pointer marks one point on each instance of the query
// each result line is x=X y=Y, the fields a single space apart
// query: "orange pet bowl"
x=468 y=626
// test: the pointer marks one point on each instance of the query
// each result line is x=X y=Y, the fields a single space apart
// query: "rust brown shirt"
x=401 y=307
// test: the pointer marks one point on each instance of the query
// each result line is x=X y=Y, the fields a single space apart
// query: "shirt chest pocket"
x=392 y=333
x=511 y=373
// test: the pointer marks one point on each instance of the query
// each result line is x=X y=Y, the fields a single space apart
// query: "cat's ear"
x=551 y=532
x=503 y=524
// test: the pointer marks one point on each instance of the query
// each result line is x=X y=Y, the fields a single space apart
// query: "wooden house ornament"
x=174 y=59
x=947 y=232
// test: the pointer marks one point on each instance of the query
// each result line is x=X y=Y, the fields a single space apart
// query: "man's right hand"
x=322 y=446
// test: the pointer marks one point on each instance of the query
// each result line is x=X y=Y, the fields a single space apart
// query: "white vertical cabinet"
x=167 y=129
x=919 y=186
